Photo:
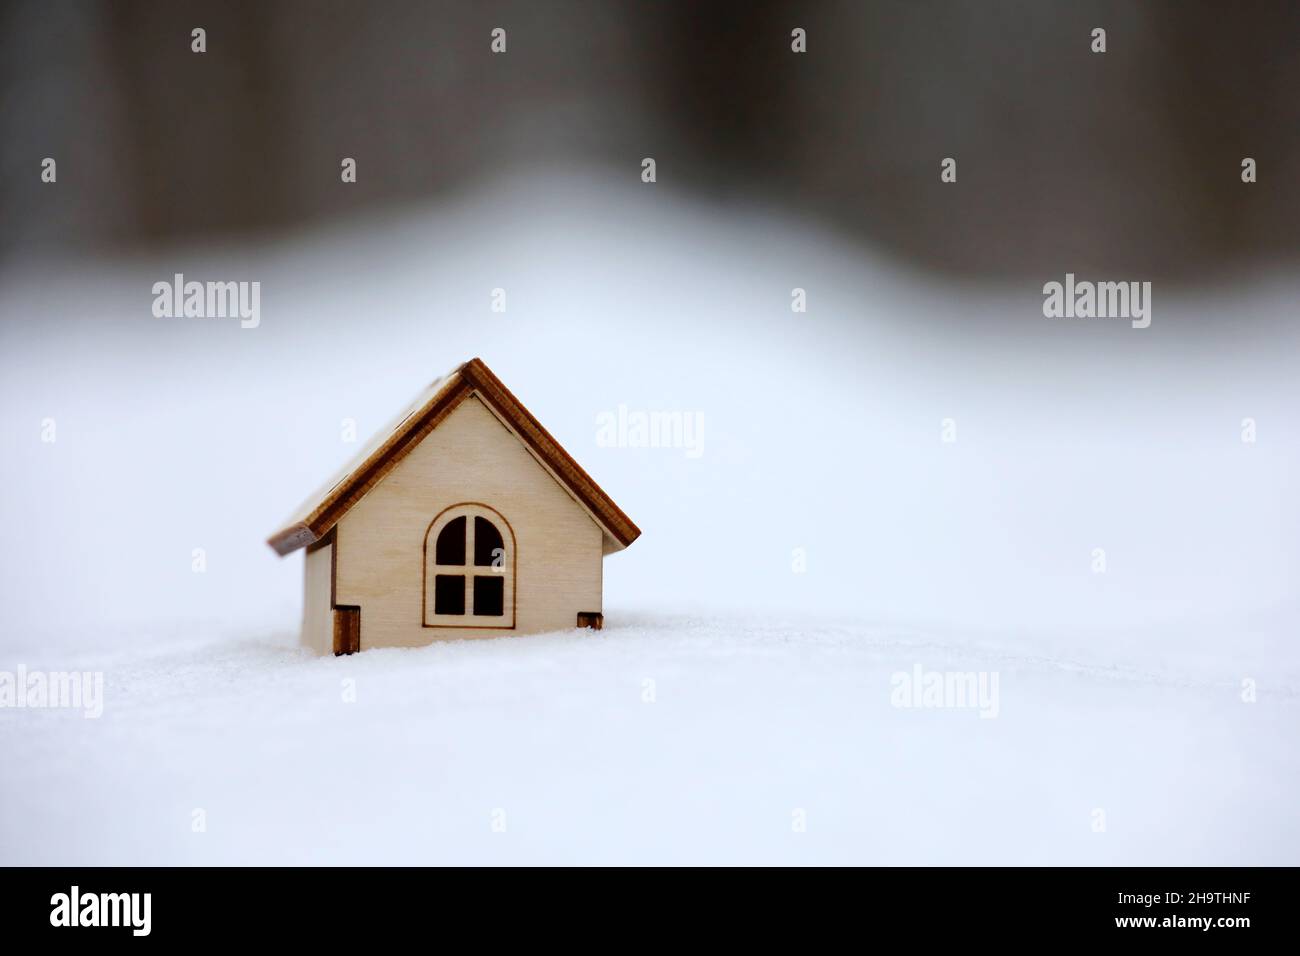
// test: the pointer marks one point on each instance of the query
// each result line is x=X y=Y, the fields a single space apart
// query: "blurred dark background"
x=1128 y=161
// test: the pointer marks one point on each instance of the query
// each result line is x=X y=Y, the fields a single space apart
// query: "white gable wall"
x=470 y=457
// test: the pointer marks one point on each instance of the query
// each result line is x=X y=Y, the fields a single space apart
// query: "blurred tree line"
x=1124 y=161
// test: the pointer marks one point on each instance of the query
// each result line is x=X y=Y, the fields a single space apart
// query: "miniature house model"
x=465 y=519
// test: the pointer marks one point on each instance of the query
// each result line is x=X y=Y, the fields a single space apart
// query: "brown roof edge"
x=483 y=380
x=290 y=539
x=475 y=376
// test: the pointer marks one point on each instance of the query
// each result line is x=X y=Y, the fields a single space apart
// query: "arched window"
x=469 y=569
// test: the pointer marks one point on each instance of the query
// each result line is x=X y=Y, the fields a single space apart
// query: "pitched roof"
x=323 y=510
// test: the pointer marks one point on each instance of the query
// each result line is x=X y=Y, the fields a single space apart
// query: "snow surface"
x=749 y=723
x=1119 y=692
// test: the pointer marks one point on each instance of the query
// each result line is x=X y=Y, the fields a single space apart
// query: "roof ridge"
x=325 y=509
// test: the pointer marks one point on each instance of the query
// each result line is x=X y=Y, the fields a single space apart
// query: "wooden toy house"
x=464 y=519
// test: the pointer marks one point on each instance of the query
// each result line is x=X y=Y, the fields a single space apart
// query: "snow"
x=1119 y=692
x=745 y=725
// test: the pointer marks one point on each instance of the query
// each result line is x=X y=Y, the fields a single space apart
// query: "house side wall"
x=317 y=617
x=470 y=457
